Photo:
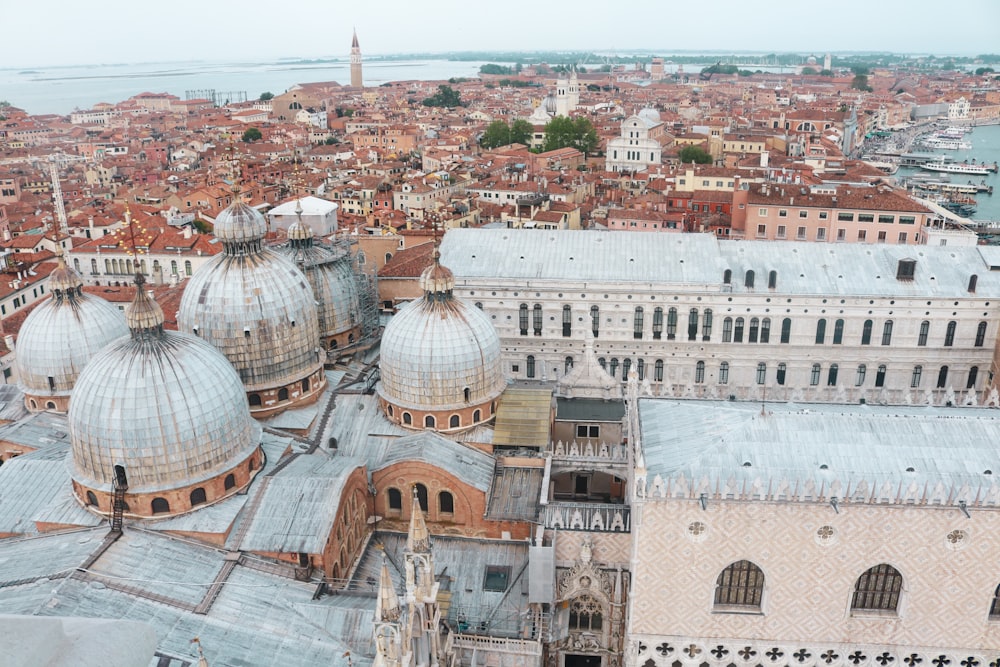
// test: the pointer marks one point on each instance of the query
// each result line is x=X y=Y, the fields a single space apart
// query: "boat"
x=956 y=167
x=938 y=143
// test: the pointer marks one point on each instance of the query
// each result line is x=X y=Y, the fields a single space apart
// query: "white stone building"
x=319 y=214
x=698 y=317
x=637 y=148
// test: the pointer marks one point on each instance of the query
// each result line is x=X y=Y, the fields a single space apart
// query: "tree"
x=695 y=154
x=521 y=131
x=984 y=70
x=860 y=82
x=329 y=141
x=826 y=72
x=251 y=135
x=578 y=133
x=446 y=96
x=264 y=97
x=499 y=133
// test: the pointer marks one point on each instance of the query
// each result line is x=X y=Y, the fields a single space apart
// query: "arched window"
x=454 y=421
x=91 y=499
x=407 y=418
x=973 y=375
x=187 y=267
x=640 y=368
x=388 y=256
x=772 y=279
x=173 y=267
x=727 y=330
x=981 y=334
x=973 y=279
x=995 y=604
x=446 y=503
x=942 y=377
x=567 y=321
x=395 y=499
x=748 y=280
x=724 y=372
x=160 y=506
x=859 y=379
x=831 y=376
x=422 y=496
x=229 y=482
x=838 y=332
x=866 y=333
x=672 y=324
x=949 y=336
x=786 y=330
x=567 y=364
x=887 y=333
x=657 y=323
x=738 y=331
x=925 y=328
x=476 y=416
x=658 y=370
x=305 y=385
x=595 y=320
x=878 y=589
x=429 y=421
x=727 y=277
x=603 y=363
x=626 y=368
x=814 y=375
x=765 y=330
x=821 y=331
x=613 y=367
x=637 y=323
x=693 y=324
x=761 y=373
x=530 y=366
x=754 y=330
x=706 y=325
x=918 y=371
x=479 y=305
x=198 y=496
x=467 y=394
x=880 y=376
x=699 y=372
x=585 y=614
x=522 y=319
x=536 y=319
x=740 y=585
x=283 y=394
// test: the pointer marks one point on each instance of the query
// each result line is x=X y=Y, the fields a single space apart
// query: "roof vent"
x=906 y=269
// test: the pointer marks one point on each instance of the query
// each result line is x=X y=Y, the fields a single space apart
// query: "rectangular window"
x=886 y=219
x=823 y=215
x=800 y=234
x=671 y=324
x=881 y=236
x=925 y=328
x=820 y=234
x=782 y=213
x=588 y=431
x=781 y=231
x=706 y=325
x=762 y=212
x=803 y=214
x=841 y=234
x=902 y=237
x=727 y=330
x=657 y=323
x=866 y=217
x=761 y=230
x=862 y=235
x=907 y=219
x=496 y=578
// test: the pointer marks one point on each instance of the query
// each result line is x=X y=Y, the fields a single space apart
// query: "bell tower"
x=356 y=62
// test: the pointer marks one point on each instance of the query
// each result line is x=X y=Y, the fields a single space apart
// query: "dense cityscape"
x=580 y=361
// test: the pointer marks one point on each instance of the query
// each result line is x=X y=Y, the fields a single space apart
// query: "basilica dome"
x=331 y=276
x=440 y=359
x=168 y=409
x=258 y=309
x=59 y=337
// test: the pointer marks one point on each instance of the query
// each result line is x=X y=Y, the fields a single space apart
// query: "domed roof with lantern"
x=440 y=355
x=254 y=305
x=165 y=405
x=60 y=336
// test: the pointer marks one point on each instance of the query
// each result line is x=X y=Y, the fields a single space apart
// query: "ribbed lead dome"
x=253 y=305
x=61 y=335
x=439 y=352
x=165 y=405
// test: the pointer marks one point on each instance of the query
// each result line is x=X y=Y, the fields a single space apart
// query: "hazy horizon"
x=120 y=32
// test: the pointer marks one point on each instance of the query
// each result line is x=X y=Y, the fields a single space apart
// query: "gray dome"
x=338 y=304
x=651 y=115
x=240 y=224
x=258 y=309
x=166 y=405
x=549 y=103
x=62 y=334
x=435 y=348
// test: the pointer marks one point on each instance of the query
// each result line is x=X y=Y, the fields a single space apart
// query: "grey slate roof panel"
x=466 y=463
x=589 y=409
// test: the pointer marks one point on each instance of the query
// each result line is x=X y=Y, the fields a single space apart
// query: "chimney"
x=187 y=231
x=8 y=340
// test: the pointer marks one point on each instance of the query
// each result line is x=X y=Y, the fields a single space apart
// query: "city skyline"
x=196 y=31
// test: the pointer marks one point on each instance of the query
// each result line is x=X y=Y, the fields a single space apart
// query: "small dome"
x=440 y=353
x=549 y=103
x=651 y=115
x=60 y=336
x=165 y=405
x=299 y=231
x=240 y=223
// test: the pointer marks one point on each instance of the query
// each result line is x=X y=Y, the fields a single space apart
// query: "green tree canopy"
x=446 y=96
x=860 y=82
x=578 y=133
x=695 y=154
x=251 y=135
x=264 y=97
x=499 y=133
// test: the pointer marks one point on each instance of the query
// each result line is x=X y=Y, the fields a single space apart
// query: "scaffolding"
x=218 y=98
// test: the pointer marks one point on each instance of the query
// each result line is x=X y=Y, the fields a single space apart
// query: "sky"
x=131 y=31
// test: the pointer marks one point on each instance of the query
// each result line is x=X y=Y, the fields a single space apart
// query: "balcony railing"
x=590 y=451
x=591 y=517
